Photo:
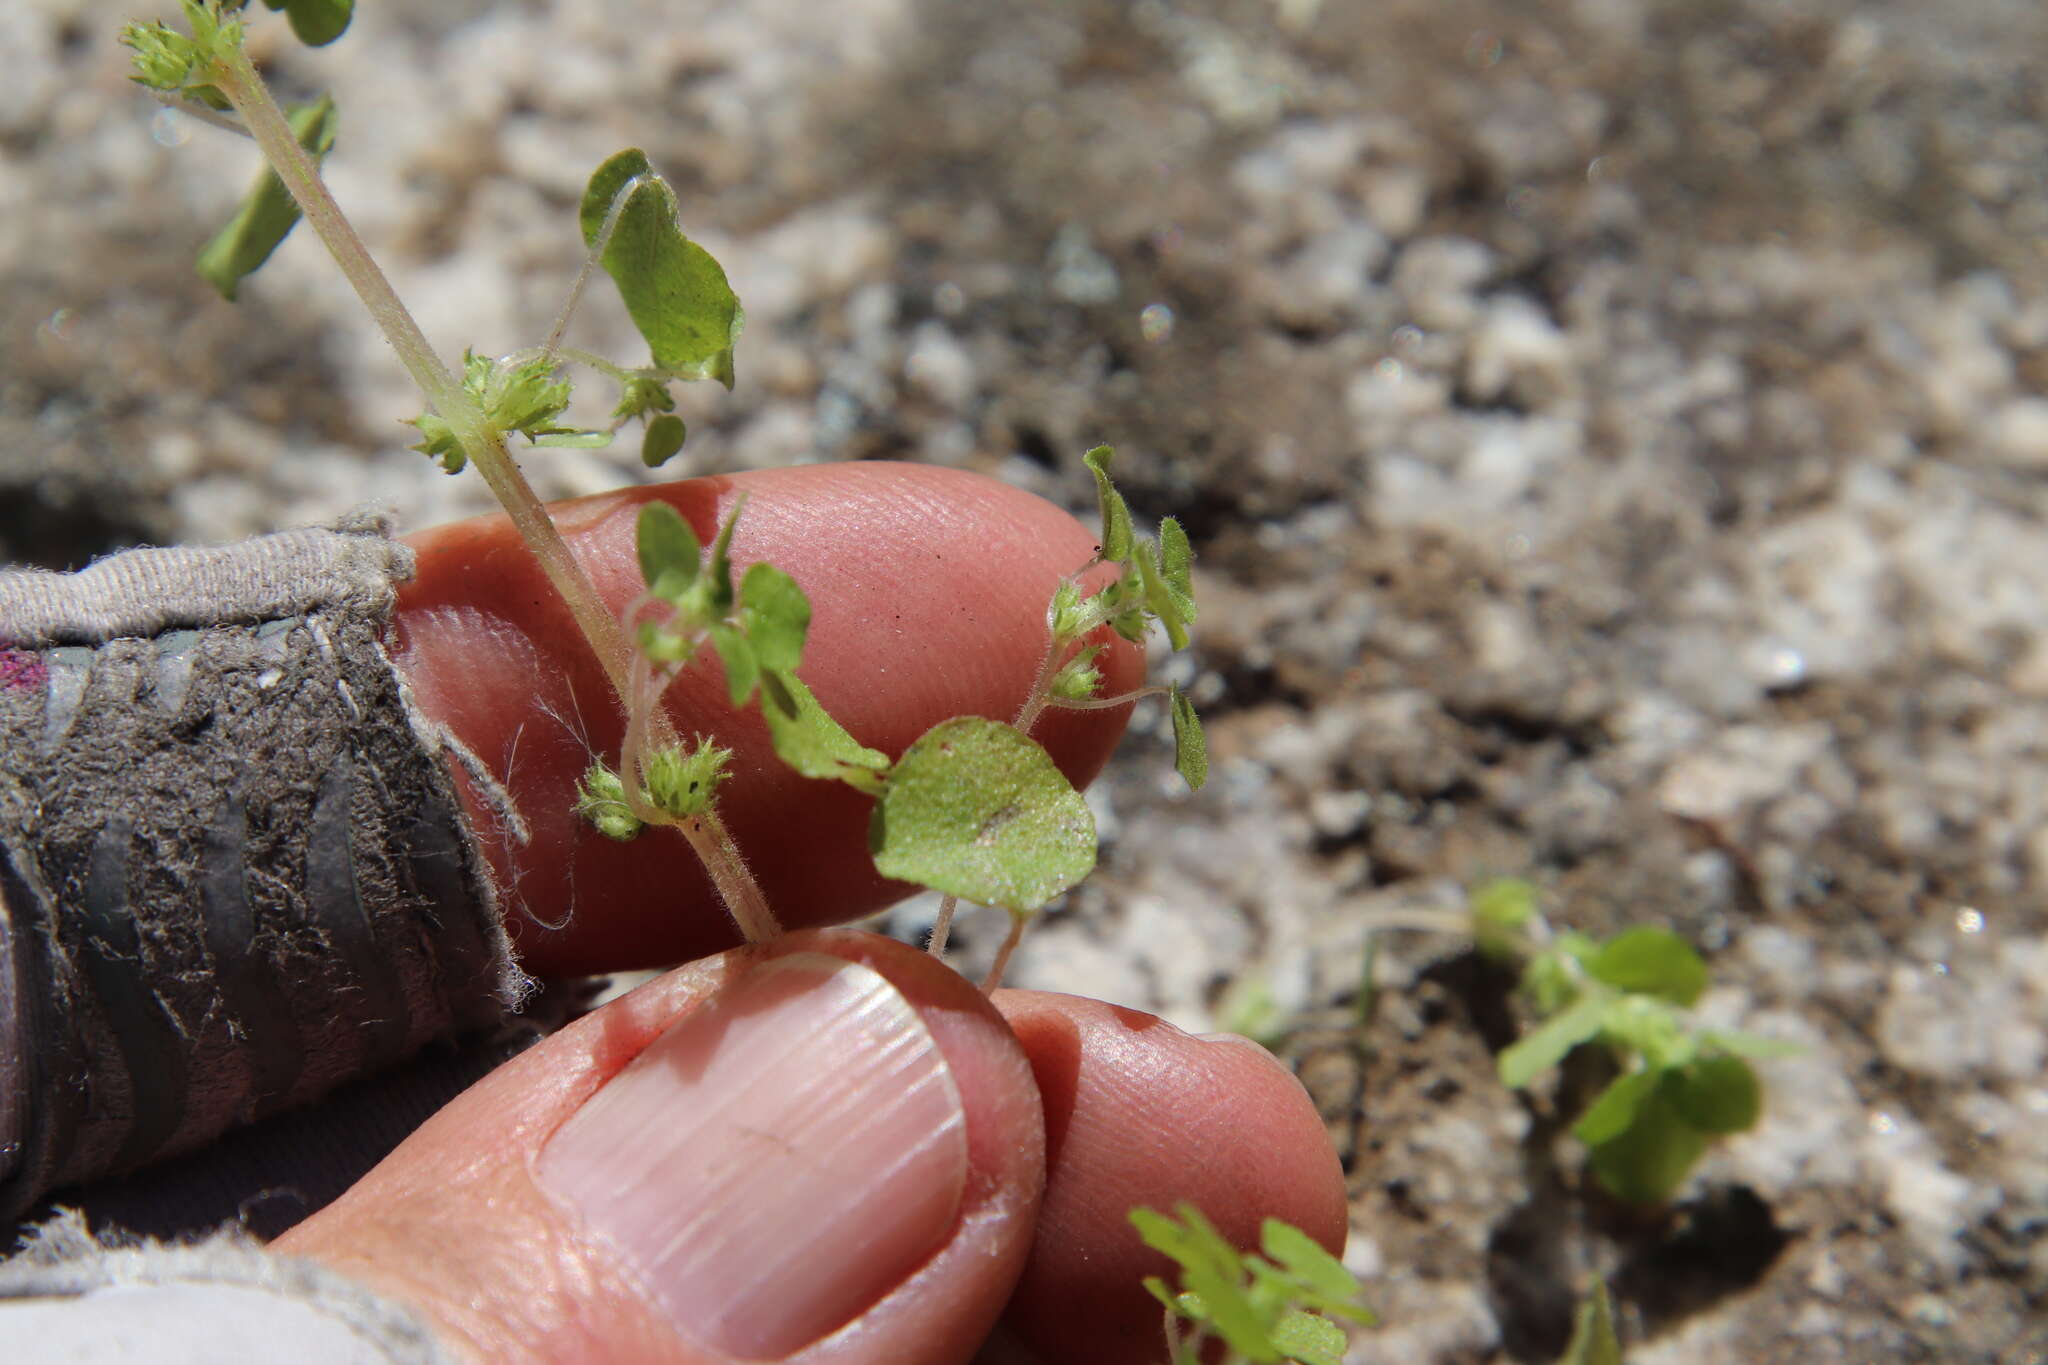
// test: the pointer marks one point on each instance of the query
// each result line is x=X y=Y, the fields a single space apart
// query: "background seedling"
x=1677 y=1089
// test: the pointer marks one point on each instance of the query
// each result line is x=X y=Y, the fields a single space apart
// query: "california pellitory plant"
x=973 y=809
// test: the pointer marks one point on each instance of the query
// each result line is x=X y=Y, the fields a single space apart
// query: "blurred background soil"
x=1615 y=441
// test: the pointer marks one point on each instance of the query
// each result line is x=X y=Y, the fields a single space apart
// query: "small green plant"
x=974 y=809
x=1279 y=1306
x=1677 y=1090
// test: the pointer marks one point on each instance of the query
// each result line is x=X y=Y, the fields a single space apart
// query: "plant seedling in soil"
x=1678 y=1089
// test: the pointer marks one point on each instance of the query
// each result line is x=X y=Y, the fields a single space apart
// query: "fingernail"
x=777 y=1161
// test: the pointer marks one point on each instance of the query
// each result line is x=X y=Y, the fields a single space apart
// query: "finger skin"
x=454 y=1223
x=1132 y=1111
x=929 y=590
x=1140 y=1112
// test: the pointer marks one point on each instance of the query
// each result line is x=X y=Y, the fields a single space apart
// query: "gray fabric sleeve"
x=234 y=872
x=222 y=1301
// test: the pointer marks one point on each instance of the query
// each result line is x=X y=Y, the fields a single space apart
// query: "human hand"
x=829 y=1147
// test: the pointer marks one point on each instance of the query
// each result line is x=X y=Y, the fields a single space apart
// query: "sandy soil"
x=1615 y=437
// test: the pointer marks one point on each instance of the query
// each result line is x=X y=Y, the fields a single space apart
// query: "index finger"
x=928 y=588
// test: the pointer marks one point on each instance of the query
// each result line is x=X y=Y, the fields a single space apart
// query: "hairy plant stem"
x=648 y=728
x=714 y=844
x=942 y=926
x=1106 y=703
x=1002 y=962
x=236 y=77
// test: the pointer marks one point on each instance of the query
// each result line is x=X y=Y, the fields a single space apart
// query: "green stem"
x=236 y=78
x=708 y=836
x=1106 y=703
x=729 y=873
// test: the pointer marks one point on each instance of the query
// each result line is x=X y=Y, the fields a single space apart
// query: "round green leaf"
x=777 y=616
x=1651 y=962
x=1615 y=1109
x=668 y=550
x=664 y=438
x=977 y=810
x=1717 y=1094
x=1647 y=1161
x=316 y=22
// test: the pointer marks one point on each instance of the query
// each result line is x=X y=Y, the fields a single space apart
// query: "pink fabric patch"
x=20 y=668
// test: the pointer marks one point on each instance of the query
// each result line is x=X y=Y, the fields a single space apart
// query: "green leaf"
x=1717 y=1094
x=742 y=662
x=1593 y=1340
x=1176 y=564
x=601 y=799
x=810 y=741
x=665 y=435
x=267 y=212
x=1650 y=961
x=1171 y=611
x=776 y=615
x=1324 y=1282
x=1309 y=1339
x=977 y=810
x=1647 y=1161
x=676 y=294
x=1502 y=910
x=1546 y=1045
x=669 y=553
x=316 y=22
x=1116 y=513
x=1212 y=1278
x=1190 y=747
x=718 y=573
x=1615 y=1109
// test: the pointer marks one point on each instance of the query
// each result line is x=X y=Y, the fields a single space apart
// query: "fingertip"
x=1139 y=1112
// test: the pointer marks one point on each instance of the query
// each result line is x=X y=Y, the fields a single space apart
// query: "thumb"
x=829 y=1148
